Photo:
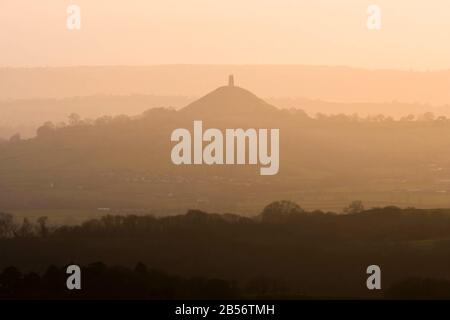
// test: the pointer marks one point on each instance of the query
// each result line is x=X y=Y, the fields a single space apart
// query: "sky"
x=414 y=33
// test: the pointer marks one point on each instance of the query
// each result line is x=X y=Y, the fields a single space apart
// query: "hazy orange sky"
x=414 y=35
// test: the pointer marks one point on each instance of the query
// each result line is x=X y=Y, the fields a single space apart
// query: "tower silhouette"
x=231 y=80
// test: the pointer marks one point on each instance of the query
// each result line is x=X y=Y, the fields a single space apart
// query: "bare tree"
x=7 y=226
x=43 y=227
x=354 y=207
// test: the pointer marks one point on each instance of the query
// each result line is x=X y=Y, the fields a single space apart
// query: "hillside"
x=290 y=255
x=124 y=162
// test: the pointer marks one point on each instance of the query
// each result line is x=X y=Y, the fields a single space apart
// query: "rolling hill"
x=123 y=163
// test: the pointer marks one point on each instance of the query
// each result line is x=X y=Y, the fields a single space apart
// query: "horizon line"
x=391 y=69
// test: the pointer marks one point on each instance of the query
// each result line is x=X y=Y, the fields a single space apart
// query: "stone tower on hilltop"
x=231 y=80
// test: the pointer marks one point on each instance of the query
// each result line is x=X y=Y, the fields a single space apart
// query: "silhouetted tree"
x=74 y=119
x=43 y=227
x=279 y=210
x=26 y=229
x=46 y=129
x=7 y=225
x=354 y=207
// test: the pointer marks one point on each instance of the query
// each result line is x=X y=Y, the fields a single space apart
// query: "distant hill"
x=124 y=162
x=393 y=109
x=228 y=101
x=25 y=116
x=337 y=84
x=32 y=96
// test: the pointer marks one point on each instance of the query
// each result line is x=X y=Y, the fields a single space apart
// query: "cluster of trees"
x=13 y=139
x=100 y=281
x=75 y=120
x=277 y=211
x=284 y=252
x=389 y=222
x=380 y=118
x=339 y=159
x=10 y=228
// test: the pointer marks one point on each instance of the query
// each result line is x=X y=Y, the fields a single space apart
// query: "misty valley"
x=224 y=159
x=123 y=163
x=133 y=198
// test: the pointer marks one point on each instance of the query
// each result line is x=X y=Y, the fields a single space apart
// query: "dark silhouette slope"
x=229 y=101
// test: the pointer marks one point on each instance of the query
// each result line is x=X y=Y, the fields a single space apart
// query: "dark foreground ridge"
x=285 y=252
x=103 y=282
